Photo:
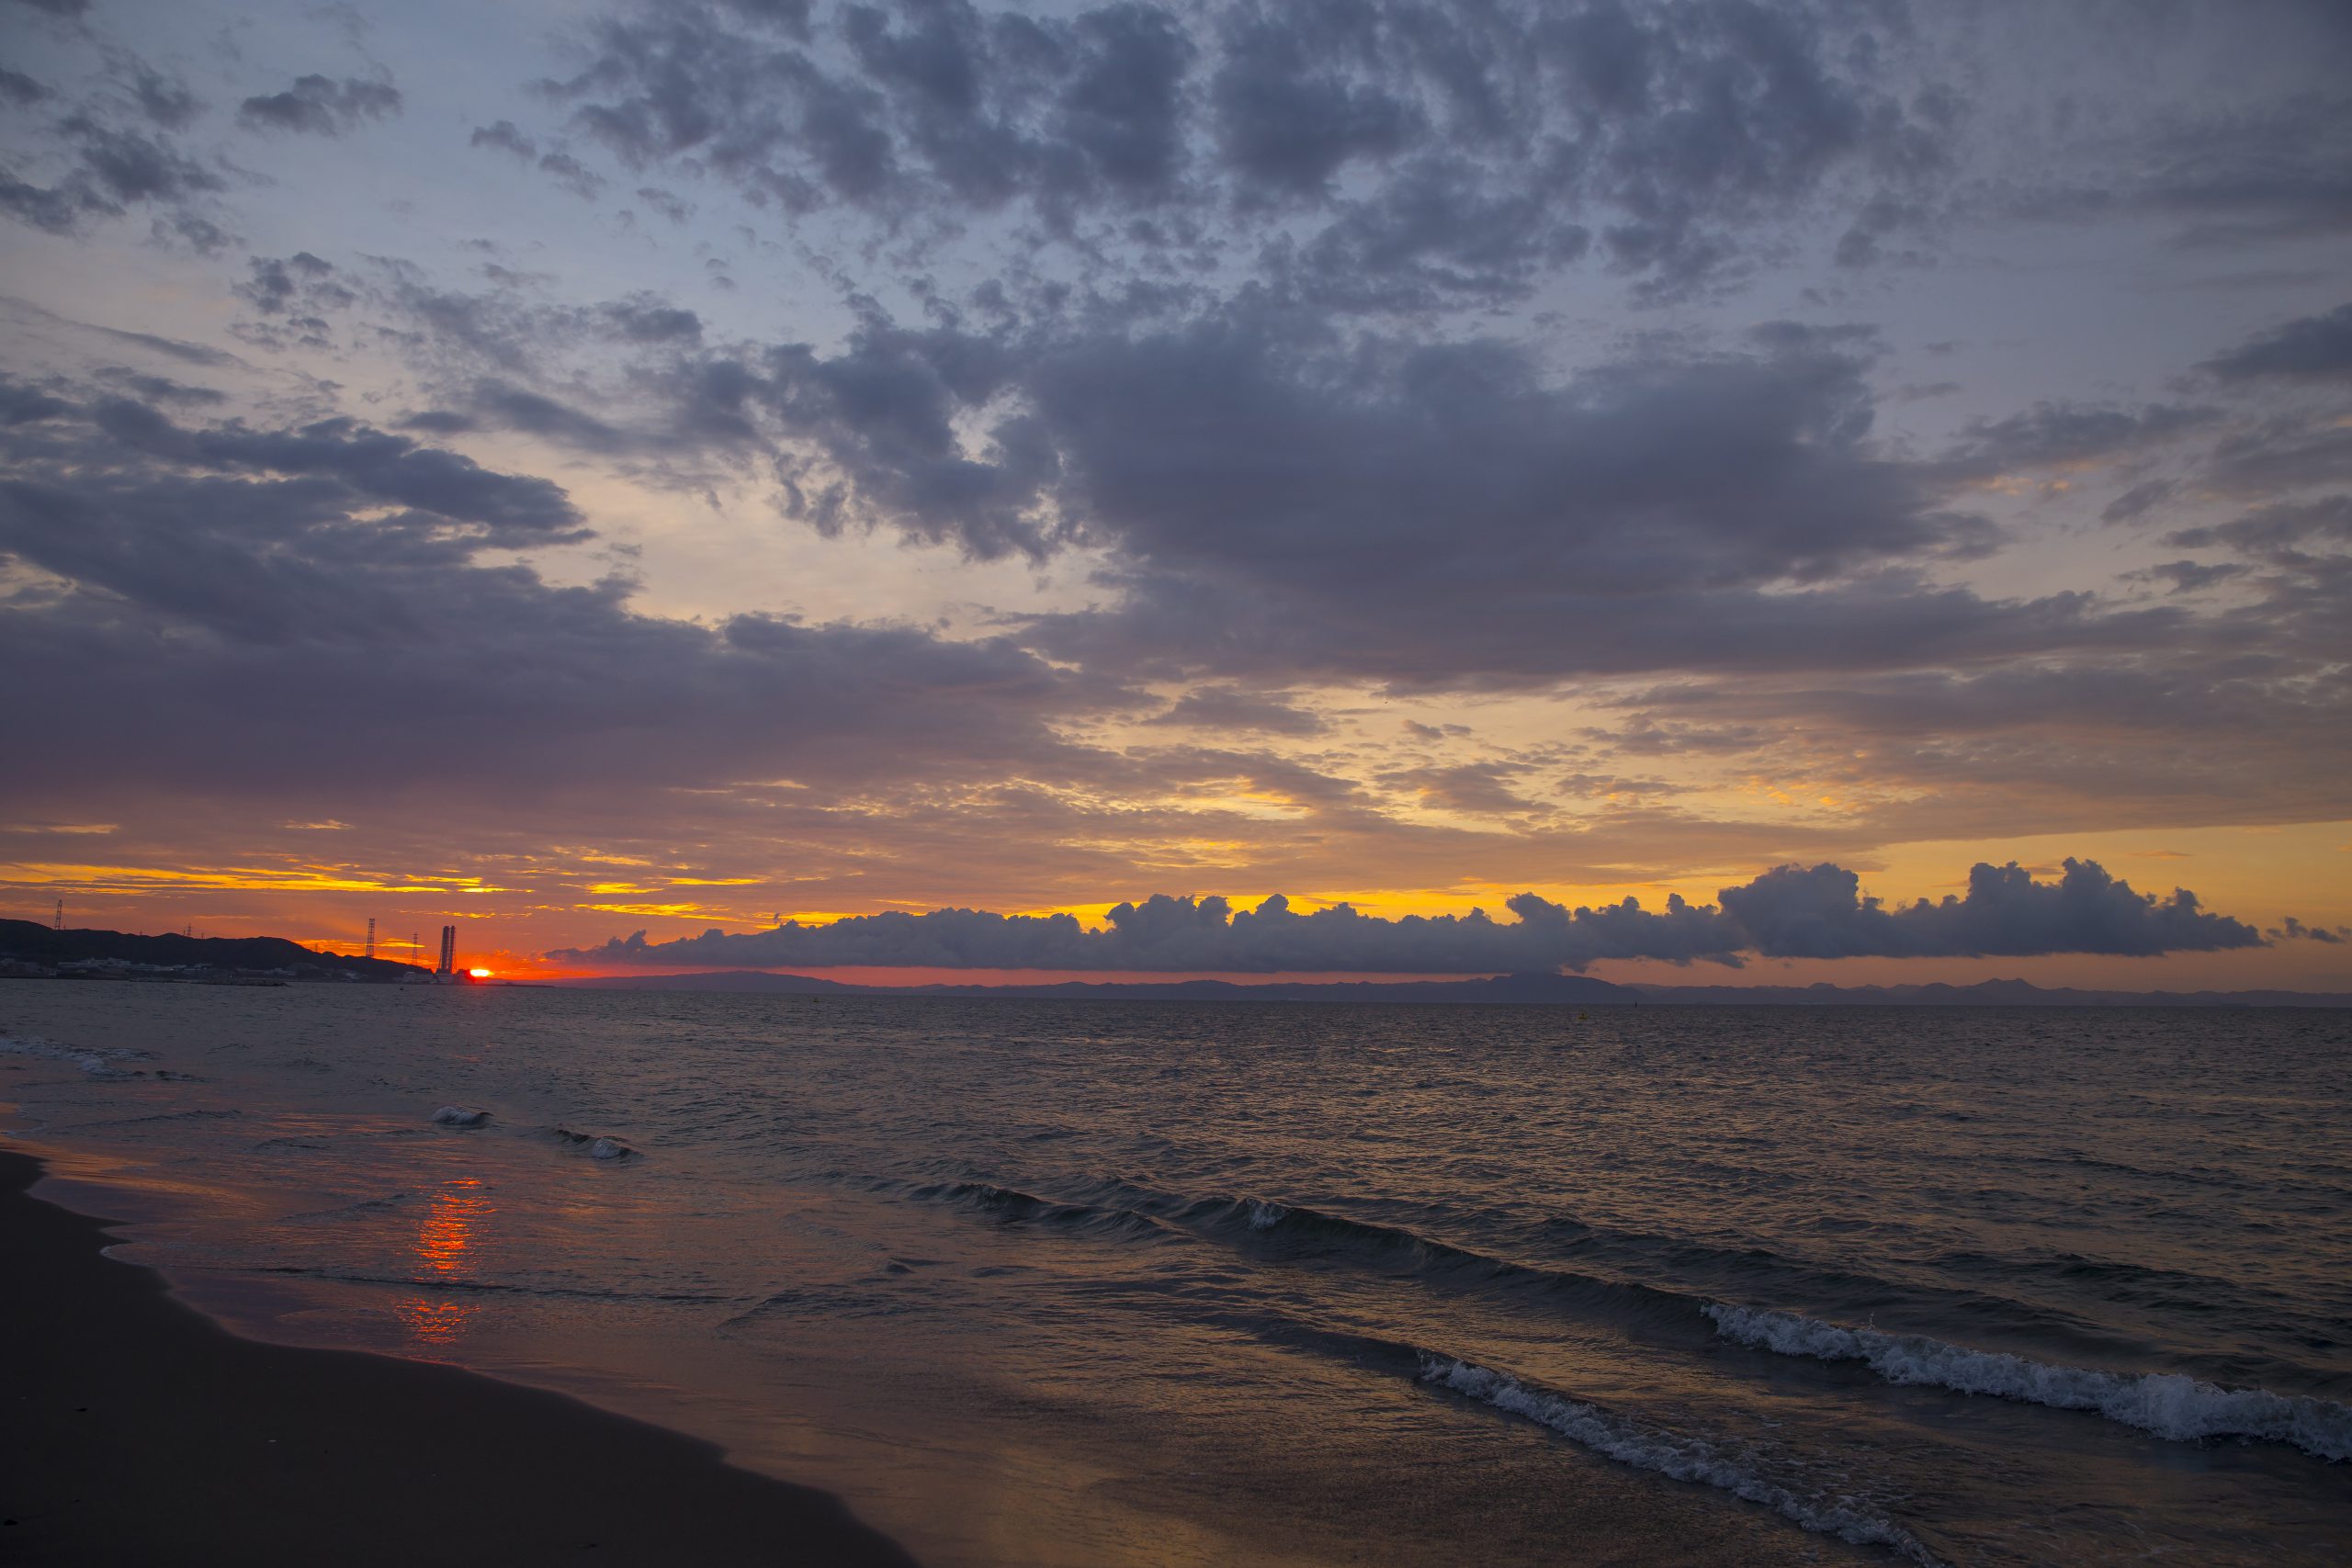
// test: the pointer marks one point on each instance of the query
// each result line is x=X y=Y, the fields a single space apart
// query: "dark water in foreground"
x=1137 y=1282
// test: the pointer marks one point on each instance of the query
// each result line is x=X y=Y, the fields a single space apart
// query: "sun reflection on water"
x=443 y=1238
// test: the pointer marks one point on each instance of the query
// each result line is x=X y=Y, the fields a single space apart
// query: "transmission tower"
x=57 y=922
x=371 y=938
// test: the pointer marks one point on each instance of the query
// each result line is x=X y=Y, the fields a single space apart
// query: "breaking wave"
x=96 y=1061
x=2170 y=1404
x=593 y=1145
x=1680 y=1458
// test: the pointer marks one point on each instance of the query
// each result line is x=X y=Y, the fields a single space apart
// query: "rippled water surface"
x=1077 y=1282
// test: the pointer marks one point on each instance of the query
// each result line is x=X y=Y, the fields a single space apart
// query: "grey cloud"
x=2270 y=170
x=1279 y=508
x=1228 y=708
x=113 y=167
x=176 y=349
x=2311 y=348
x=165 y=99
x=275 y=614
x=2280 y=533
x=1790 y=912
x=514 y=408
x=648 y=318
x=2140 y=499
x=666 y=203
x=572 y=174
x=1476 y=788
x=320 y=106
x=19 y=89
x=160 y=388
x=1297 y=95
x=1478 y=144
x=2293 y=930
x=370 y=465
x=2278 y=456
x=2060 y=435
x=505 y=136
x=2091 y=741
x=1817 y=913
x=1275 y=501
x=277 y=286
x=2189 y=577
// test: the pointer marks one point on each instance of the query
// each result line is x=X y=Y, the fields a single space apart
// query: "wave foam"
x=459 y=1116
x=1681 y=1459
x=596 y=1146
x=2170 y=1404
x=96 y=1061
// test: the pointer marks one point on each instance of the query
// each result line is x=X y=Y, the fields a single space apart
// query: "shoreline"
x=138 y=1429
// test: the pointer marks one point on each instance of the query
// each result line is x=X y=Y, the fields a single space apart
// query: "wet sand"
x=135 y=1430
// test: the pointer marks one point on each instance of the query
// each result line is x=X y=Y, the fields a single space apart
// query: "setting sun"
x=478 y=973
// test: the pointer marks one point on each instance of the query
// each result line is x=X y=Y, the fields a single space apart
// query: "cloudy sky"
x=584 y=470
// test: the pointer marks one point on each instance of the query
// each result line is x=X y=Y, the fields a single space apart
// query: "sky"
x=1343 y=487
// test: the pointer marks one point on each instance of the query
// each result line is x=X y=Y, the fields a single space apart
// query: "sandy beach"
x=138 y=1431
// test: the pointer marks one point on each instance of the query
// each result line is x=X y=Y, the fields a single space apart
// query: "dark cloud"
x=299 y=283
x=1818 y=913
x=2191 y=577
x=298 y=614
x=1478 y=789
x=2095 y=741
x=160 y=388
x=1790 y=912
x=2064 y=435
x=667 y=203
x=2293 y=930
x=321 y=106
x=2278 y=456
x=110 y=168
x=166 y=100
x=1475 y=144
x=505 y=136
x=2311 y=348
x=1279 y=506
x=176 y=349
x=2141 y=499
x=19 y=89
x=2280 y=533
x=2276 y=168
x=1228 y=708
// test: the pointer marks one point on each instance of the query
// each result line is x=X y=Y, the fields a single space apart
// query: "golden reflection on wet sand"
x=457 y=1211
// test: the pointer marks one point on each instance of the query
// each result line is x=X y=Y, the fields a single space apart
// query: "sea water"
x=1098 y=1282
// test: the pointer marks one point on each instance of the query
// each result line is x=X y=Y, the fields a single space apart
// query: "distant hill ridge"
x=1555 y=989
x=1539 y=989
x=28 y=941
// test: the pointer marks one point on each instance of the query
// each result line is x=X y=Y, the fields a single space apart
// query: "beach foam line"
x=1675 y=1457
x=2172 y=1405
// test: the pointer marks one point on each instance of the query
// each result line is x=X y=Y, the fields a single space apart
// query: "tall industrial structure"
x=57 y=922
x=449 y=951
x=371 y=938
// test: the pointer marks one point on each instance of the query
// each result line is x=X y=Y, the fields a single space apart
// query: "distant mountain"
x=120 y=953
x=1984 y=992
x=1555 y=990
x=1573 y=989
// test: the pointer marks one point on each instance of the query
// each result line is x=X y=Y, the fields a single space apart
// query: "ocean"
x=1059 y=1282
